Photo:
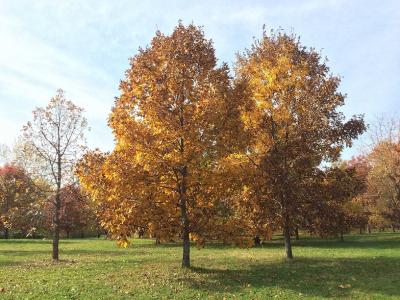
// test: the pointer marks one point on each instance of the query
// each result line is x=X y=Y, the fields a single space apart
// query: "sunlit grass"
x=363 y=267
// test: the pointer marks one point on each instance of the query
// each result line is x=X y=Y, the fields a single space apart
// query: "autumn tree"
x=54 y=140
x=383 y=192
x=293 y=124
x=334 y=210
x=384 y=185
x=16 y=191
x=19 y=196
x=76 y=211
x=361 y=202
x=176 y=116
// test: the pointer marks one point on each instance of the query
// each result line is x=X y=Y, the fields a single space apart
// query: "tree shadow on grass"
x=36 y=241
x=71 y=252
x=41 y=258
x=312 y=277
x=355 y=244
x=8 y=263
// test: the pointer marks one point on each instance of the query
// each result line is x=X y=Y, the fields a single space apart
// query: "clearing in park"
x=362 y=267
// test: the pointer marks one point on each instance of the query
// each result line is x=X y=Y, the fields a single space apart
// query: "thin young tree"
x=54 y=140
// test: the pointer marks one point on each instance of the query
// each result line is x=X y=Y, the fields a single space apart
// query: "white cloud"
x=83 y=47
x=32 y=71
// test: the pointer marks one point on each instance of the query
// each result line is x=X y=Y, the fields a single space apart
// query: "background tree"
x=335 y=211
x=19 y=199
x=54 y=141
x=383 y=178
x=361 y=203
x=384 y=185
x=76 y=211
x=175 y=118
x=15 y=189
x=292 y=121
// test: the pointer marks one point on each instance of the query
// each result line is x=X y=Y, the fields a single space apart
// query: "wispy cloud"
x=83 y=47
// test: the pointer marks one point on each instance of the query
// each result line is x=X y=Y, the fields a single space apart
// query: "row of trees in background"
x=205 y=154
x=379 y=169
x=27 y=207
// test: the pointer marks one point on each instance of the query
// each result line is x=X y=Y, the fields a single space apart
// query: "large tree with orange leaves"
x=176 y=117
x=293 y=124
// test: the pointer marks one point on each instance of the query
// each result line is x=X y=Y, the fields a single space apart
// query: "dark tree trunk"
x=341 y=235
x=360 y=229
x=6 y=234
x=141 y=232
x=67 y=234
x=257 y=241
x=186 y=247
x=286 y=233
x=185 y=221
x=297 y=233
x=393 y=228
x=56 y=229
x=183 y=172
x=82 y=234
x=369 y=228
x=57 y=207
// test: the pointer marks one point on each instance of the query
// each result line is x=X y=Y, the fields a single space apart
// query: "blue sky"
x=84 y=46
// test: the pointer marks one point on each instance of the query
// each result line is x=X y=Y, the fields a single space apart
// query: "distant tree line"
x=27 y=207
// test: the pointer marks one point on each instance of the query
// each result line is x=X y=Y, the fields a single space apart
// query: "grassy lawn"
x=363 y=267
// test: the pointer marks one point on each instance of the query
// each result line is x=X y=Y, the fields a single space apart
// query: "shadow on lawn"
x=36 y=241
x=7 y=263
x=352 y=242
x=277 y=242
x=312 y=277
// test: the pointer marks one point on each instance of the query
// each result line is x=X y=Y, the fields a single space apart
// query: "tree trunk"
x=185 y=221
x=360 y=229
x=6 y=233
x=186 y=246
x=182 y=196
x=393 y=228
x=257 y=241
x=296 y=231
x=56 y=229
x=369 y=228
x=341 y=235
x=286 y=233
x=57 y=207
x=68 y=234
x=56 y=239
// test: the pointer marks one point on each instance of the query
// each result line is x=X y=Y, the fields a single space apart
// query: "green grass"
x=363 y=267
